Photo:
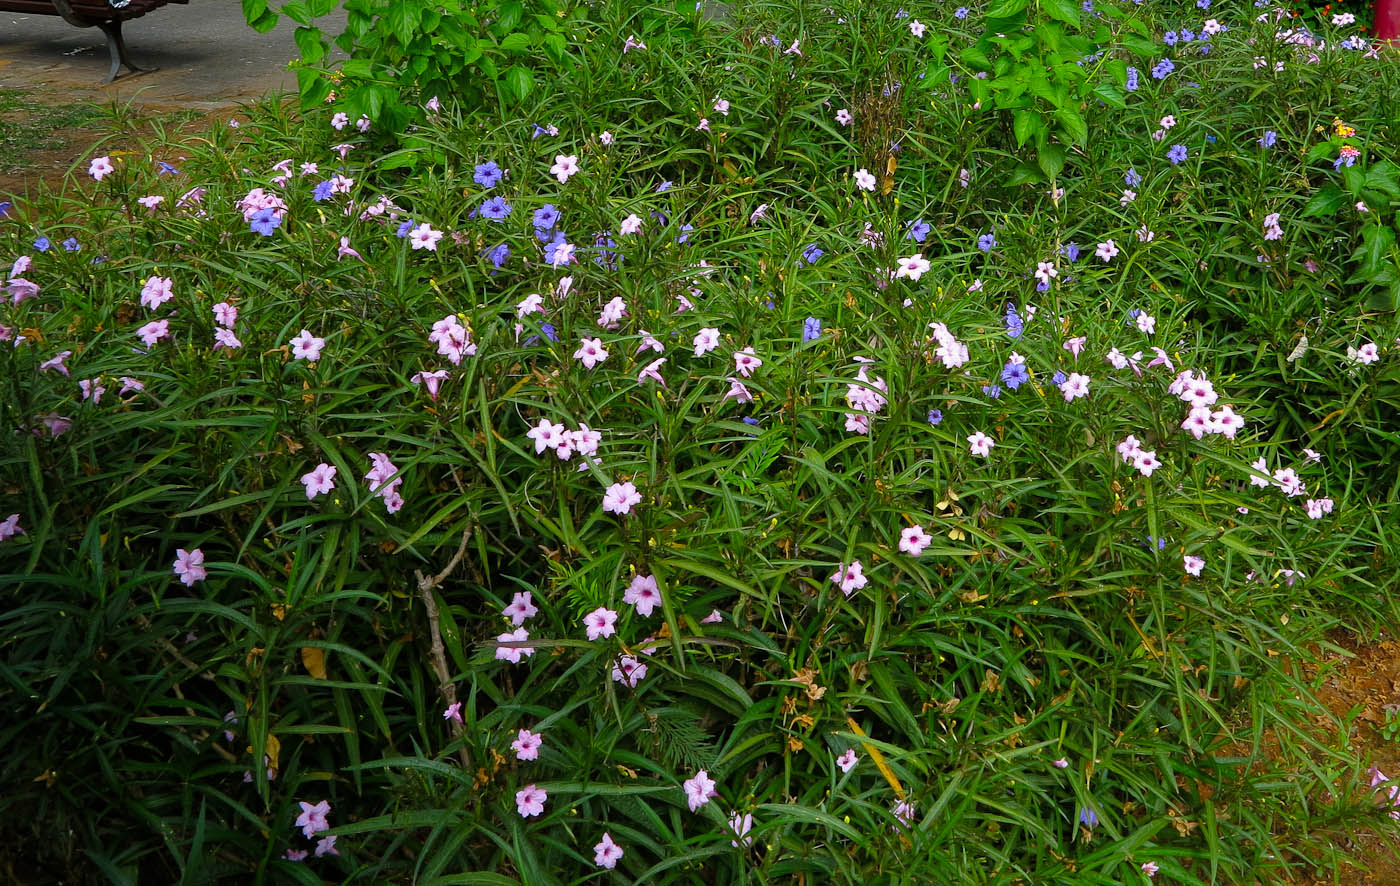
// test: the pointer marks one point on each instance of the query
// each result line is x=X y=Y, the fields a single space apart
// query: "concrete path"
x=208 y=57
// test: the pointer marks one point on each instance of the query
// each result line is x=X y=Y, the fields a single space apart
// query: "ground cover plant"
x=768 y=455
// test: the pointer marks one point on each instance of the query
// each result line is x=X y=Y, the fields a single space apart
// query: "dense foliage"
x=749 y=460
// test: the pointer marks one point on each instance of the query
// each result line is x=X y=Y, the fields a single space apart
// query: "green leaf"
x=1024 y=124
x=1325 y=202
x=1382 y=177
x=1024 y=174
x=1376 y=241
x=318 y=8
x=255 y=9
x=309 y=41
x=297 y=12
x=1051 y=159
x=1006 y=8
x=1066 y=11
x=517 y=43
x=519 y=82
x=510 y=15
x=1111 y=95
x=1074 y=125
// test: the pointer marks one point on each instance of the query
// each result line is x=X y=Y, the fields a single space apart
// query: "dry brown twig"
x=438 y=655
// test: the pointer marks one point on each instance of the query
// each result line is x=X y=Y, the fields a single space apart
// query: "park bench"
x=105 y=15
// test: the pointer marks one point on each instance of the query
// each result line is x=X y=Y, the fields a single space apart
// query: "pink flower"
x=530 y=801
x=307 y=347
x=326 y=846
x=564 y=166
x=913 y=540
x=1075 y=345
x=620 y=497
x=844 y=117
x=738 y=391
x=850 y=578
x=917 y=28
x=92 y=389
x=630 y=225
x=904 y=812
x=453 y=712
x=1193 y=565
x=156 y=292
x=527 y=745
x=312 y=819
x=590 y=352
x=1317 y=507
x=913 y=267
x=100 y=167
x=345 y=251
x=154 y=331
x=652 y=371
x=424 y=237
x=189 y=566
x=1106 y=250
x=1150 y=868
x=745 y=362
x=699 y=790
x=1145 y=461
x=293 y=854
x=225 y=314
x=714 y=618
x=430 y=380
x=546 y=435
x=643 y=593
x=848 y=760
x=340 y=120
x=864 y=180
x=513 y=654
x=1146 y=323
x=57 y=362
x=9 y=528
x=1061 y=763
x=1075 y=386
x=981 y=444
x=706 y=340
x=741 y=825
x=599 y=623
x=628 y=671
x=321 y=479
x=606 y=853
x=521 y=608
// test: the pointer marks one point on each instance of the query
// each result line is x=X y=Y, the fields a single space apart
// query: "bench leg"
x=116 y=49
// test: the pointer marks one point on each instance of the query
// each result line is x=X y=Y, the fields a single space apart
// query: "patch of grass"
x=29 y=127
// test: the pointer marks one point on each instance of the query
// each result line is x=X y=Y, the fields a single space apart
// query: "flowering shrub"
x=721 y=470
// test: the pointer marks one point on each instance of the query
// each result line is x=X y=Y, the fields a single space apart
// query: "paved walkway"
x=208 y=57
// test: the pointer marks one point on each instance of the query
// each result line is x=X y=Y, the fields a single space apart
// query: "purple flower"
x=935 y=416
x=685 y=233
x=323 y=191
x=1014 y=324
x=498 y=254
x=1269 y=139
x=1088 y=817
x=546 y=217
x=664 y=187
x=992 y=391
x=167 y=169
x=1132 y=82
x=72 y=245
x=811 y=329
x=1169 y=38
x=496 y=208
x=1132 y=179
x=960 y=12
x=987 y=242
x=1162 y=69
x=811 y=254
x=265 y=221
x=918 y=230
x=1177 y=154
x=43 y=244
x=1058 y=378
x=1071 y=251
x=1014 y=374
x=487 y=174
x=404 y=228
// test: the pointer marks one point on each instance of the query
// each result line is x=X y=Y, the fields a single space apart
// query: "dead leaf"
x=313 y=658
